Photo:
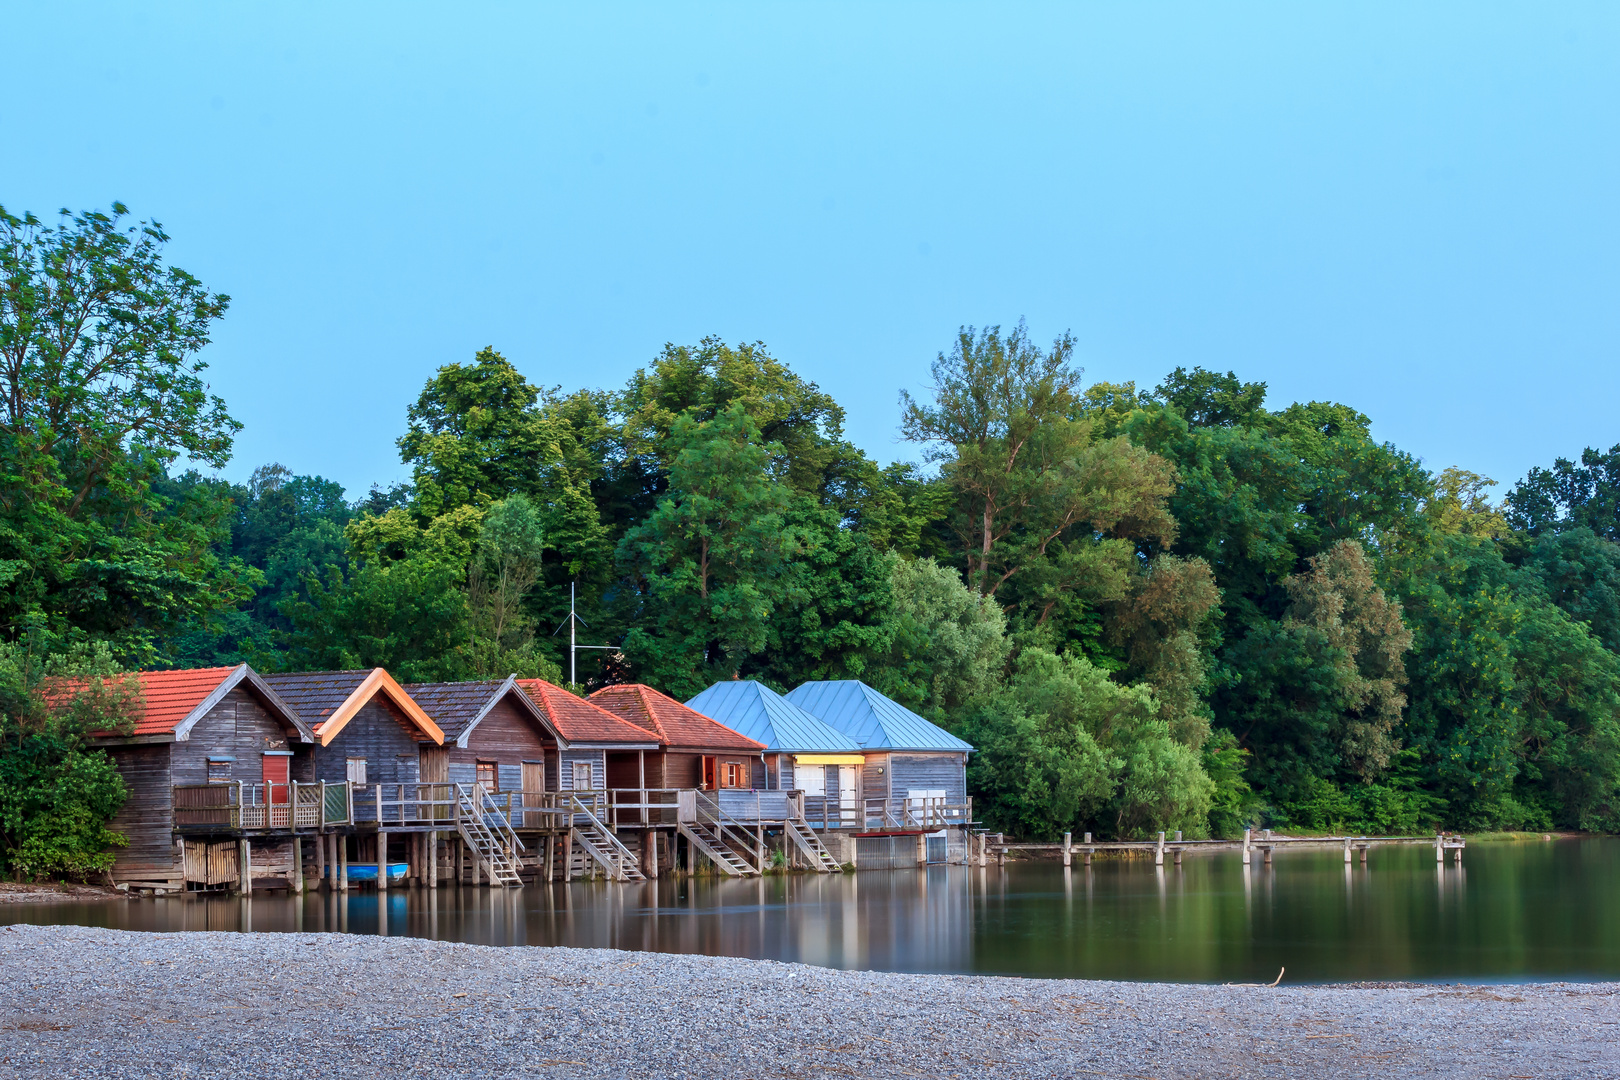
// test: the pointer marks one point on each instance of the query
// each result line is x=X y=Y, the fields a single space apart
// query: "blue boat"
x=368 y=872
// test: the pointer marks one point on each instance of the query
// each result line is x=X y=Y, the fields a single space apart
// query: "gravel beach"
x=87 y=1002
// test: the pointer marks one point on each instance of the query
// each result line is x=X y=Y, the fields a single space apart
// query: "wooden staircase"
x=497 y=848
x=710 y=839
x=821 y=860
x=599 y=843
x=725 y=842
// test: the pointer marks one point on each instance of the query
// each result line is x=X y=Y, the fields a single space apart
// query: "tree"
x=707 y=564
x=949 y=646
x=102 y=392
x=505 y=568
x=1038 y=497
x=1459 y=505
x=1581 y=575
x=475 y=436
x=1570 y=496
x=57 y=792
x=1063 y=747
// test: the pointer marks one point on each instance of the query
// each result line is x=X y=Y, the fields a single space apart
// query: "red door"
x=275 y=778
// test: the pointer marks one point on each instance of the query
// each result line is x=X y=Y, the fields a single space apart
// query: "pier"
x=995 y=844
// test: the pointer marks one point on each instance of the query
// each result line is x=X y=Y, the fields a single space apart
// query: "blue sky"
x=1408 y=208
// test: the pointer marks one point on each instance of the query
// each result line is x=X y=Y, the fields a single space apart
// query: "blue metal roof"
x=760 y=713
x=874 y=721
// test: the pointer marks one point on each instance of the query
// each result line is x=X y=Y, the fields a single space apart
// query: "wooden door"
x=849 y=795
x=275 y=777
x=433 y=777
x=534 y=787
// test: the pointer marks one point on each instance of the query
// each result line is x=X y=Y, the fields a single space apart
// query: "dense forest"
x=1183 y=607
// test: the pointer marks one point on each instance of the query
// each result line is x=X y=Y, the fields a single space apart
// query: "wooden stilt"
x=320 y=860
x=298 y=865
x=382 y=860
x=1067 y=854
x=1158 y=853
x=343 y=863
x=245 y=870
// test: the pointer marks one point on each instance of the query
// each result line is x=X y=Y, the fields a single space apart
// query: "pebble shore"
x=82 y=1002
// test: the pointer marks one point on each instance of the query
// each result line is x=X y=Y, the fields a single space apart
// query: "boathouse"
x=368 y=730
x=907 y=759
x=695 y=751
x=494 y=734
x=802 y=753
x=589 y=734
x=205 y=736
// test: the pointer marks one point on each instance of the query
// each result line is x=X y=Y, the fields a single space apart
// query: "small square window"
x=219 y=772
x=489 y=774
x=582 y=776
x=731 y=774
x=357 y=770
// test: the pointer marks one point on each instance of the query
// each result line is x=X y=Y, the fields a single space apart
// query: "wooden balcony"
x=241 y=805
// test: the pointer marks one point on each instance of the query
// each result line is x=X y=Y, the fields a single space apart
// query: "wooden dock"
x=1264 y=844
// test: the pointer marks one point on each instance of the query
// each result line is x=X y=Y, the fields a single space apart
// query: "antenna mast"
x=573 y=638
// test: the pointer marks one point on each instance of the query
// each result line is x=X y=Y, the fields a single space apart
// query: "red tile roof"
x=580 y=721
x=168 y=697
x=678 y=727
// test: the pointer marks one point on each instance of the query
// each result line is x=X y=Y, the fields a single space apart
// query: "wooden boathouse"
x=209 y=768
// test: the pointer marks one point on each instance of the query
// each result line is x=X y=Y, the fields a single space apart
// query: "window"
x=357 y=771
x=489 y=774
x=219 y=770
x=582 y=776
x=731 y=774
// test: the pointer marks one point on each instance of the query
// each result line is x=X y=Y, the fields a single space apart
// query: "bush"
x=57 y=792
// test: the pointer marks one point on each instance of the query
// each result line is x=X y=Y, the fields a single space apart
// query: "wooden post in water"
x=1268 y=851
x=1347 y=851
x=551 y=857
x=382 y=854
x=1066 y=855
x=433 y=860
x=244 y=868
x=1248 y=838
x=1088 y=849
x=568 y=857
x=476 y=865
x=343 y=863
x=1158 y=854
x=298 y=865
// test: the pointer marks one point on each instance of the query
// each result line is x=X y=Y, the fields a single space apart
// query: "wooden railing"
x=929 y=814
x=711 y=812
x=635 y=807
x=243 y=804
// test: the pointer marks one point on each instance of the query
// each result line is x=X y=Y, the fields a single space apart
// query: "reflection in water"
x=1536 y=910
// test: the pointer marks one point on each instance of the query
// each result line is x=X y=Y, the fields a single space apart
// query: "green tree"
x=1064 y=747
x=1581 y=575
x=57 y=792
x=708 y=563
x=950 y=644
x=1044 y=510
x=102 y=392
x=1570 y=496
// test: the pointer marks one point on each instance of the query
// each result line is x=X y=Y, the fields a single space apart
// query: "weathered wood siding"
x=147 y=817
x=682 y=770
x=238 y=727
x=382 y=735
x=598 y=762
x=929 y=772
x=507 y=736
x=875 y=777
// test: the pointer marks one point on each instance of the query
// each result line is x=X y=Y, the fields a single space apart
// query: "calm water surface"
x=1514 y=911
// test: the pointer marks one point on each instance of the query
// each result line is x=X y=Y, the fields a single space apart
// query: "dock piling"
x=1066 y=849
x=1158 y=854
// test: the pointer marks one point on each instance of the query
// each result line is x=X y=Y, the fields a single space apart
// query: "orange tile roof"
x=581 y=721
x=168 y=697
x=678 y=726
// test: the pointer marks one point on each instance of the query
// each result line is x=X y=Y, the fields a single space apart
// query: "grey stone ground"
x=105 y=1003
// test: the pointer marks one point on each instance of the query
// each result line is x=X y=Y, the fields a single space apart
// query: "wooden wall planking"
x=147 y=816
x=382 y=735
x=241 y=728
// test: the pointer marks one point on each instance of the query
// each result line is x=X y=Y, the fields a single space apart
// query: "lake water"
x=1513 y=911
